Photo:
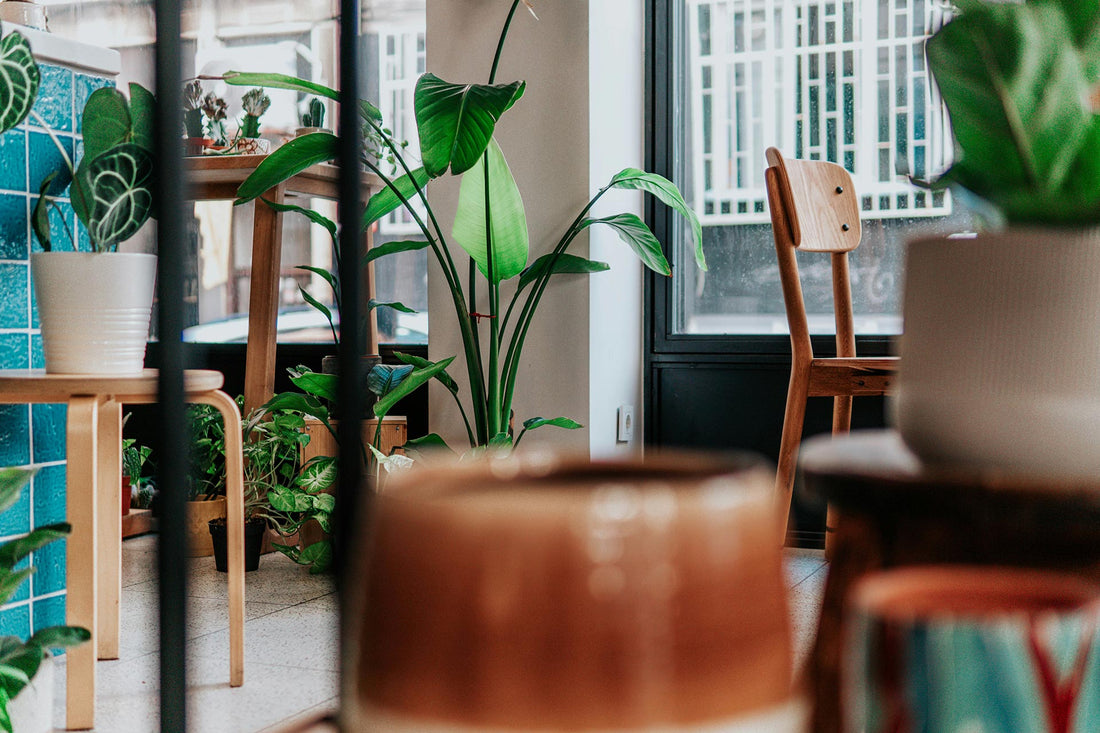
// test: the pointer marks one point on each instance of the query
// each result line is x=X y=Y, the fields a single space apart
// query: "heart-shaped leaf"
x=667 y=193
x=318 y=474
x=456 y=121
x=509 y=221
x=117 y=192
x=635 y=233
x=19 y=80
x=286 y=162
x=142 y=113
x=106 y=122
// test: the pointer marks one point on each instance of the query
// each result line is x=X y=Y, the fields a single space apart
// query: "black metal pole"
x=351 y=346
x=173 y=448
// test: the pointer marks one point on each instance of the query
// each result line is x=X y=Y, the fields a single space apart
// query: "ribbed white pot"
x=32 y=709
x=1000 y=357
x=94 y=310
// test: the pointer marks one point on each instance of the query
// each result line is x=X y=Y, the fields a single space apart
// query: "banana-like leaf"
x=317 y=384
x=15 y=550
x=558 y=422
x=456 y=121
x=563 y=263
x=106 y=123
x=322 y=273
x=19 y=80
x=286 y=162
x=318 y=305
x=431 y=441
x=369 y=112
x=12 y=481
x=390 y=248
x=422 y=363
x=397 y=306
x=635 y=233
x=279 y=81
x=116 y=189
x=386 y=201
x=305 y=404
x=509 y=221
x=142 y=113
x=313 y=216
x=411 y=383
x=667 y=193
x=1015 y=87
x=384 y=378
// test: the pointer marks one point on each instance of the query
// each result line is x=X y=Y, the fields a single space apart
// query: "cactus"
x=315 y=117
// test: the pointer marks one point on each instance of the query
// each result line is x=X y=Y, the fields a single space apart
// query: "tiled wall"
x=36 y=434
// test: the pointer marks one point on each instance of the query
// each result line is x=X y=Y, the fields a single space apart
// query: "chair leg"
x=234 y=489
x=842 y=423
x=109 y=591
x=793 y=418
x=80 y=559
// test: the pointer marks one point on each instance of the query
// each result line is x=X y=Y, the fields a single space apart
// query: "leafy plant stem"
x=68 y=232
x=500 y=43
x=495 y=415
x=56 y=141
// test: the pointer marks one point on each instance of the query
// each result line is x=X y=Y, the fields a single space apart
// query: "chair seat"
x=852 y=376
x=36 y=385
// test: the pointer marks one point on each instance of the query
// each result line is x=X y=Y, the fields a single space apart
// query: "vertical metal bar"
x=351 y=311
x=173 y=463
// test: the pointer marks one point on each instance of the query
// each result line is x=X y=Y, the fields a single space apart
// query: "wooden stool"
x=895 y=511
x=93 y=474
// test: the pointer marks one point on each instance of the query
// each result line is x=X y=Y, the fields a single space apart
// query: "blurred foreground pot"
x=546 y=594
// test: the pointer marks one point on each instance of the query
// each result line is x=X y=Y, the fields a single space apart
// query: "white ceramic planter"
x=1000 y=357
x=32 y=709
x=94 y=310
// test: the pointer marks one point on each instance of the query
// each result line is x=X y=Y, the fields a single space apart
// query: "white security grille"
x=401 y=52
x=838 y=80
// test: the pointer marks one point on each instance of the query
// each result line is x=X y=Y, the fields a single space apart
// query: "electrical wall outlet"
x=624 y=433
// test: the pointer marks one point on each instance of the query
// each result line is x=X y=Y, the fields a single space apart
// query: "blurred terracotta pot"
x=548 y=594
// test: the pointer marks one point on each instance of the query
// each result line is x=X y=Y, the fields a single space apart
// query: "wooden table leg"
x=109 y=579
x=80 y=558
x=263 y=301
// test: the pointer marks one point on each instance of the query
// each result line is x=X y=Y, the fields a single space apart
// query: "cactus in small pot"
x=255 y=103
x=214 y=109
x=314 y=117
x=192 y=108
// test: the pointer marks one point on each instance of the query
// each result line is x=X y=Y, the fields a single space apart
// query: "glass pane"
x=842 y=81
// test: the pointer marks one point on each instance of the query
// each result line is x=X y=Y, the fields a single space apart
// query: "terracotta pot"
x=966 y=648
x=127 y=495
x=199 y=514
x=193 y=146
x=552 y=595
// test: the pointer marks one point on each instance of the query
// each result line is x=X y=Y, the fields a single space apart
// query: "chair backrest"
x=814 y=208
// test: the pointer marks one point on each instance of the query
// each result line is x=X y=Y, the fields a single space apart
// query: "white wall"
x=583 y=353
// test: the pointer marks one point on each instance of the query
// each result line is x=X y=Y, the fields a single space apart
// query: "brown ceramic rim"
x=1012 y=592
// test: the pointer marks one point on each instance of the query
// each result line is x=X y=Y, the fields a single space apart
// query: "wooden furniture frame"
x=814 y=208
x=217 y=177
x=93 y=474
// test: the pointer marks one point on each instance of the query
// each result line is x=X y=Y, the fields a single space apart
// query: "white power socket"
x=624 y=432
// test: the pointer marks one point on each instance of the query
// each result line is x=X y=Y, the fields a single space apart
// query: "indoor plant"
x=248 y=141
x=1002 y=341
x=194 y=141
x=206 y=485
x=456 y=123
x=313 y=119
x=26 y=705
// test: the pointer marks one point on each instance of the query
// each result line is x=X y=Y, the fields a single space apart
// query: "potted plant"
x=195 y=140
x=249 y=142
x=206 y=484
x=94 y=309
x=313 y=119
x=456 y=123
x=1001 y=343
x=134 y=459
x=26 y=667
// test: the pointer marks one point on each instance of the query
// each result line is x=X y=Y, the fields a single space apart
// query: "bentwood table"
x=217 y=177
x=93 y=473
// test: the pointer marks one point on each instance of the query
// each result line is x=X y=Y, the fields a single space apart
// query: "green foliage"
x=20 y=660
x=1017 y=80
x=509 y=221
x=19 y=80
x=207 y=430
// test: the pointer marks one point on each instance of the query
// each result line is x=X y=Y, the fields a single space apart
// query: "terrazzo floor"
x=291 y=659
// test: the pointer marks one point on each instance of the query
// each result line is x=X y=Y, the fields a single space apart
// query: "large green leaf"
x=318 y=556
x=106 y=122
x=279 y=81
x=667 y=193
x=304 y=404
x=385 y=201
x=142 y=113
x=422 y=363
x=563 y=264
x=390 y=248
x=321 y=385
x=456 y=121
x=15 y=550
x=635 y=233
x=318 y=474
x=509 y=221
x=19 y=80
x=60 y=637
x=410 y=384
x=429 y=442
x=1016 y=91
x=384 y=378
x=12 y=481
x=116 y=188
x=287 y=162
x=558 y=422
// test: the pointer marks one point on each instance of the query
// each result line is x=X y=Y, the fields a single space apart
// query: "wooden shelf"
x=138 y=521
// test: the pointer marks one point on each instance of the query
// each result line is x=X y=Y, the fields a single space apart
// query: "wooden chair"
x=814 y=208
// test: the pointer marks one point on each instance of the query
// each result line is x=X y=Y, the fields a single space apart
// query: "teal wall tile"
x=23 y=592
x=16 y=621
x=55 y=98
x=49 y=612
x=49 y=495
x=13 y=226
x=62 y=228
x=17 y=519
x=14 y=444
x=13 y=160
x=48 y=428
x=50 y=564
x=14 y=286
x=14 y=351
x=38 y=356
x=44 y=159
x=84 y=85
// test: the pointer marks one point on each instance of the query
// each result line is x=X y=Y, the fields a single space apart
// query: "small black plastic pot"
x=253 y=539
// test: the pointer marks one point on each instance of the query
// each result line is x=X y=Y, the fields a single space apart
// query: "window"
x=837 y=80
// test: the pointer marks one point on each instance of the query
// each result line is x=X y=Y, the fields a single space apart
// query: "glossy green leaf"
x=318 y=474
x=117 y=192
x=324 y=503
x=410 y=384
x=106 y=121
x=40 y=216
x=12 y=551
x=304 y=404
x=390 y=248
x=429 y=442
x=318 y=556
x=142 y=113
x=456 y=121
x=422 y=363
x=287 y=162
x=19 y=80
x=384 y=378
x=386 y=200
x=668 y=194
x=509 y=221
x=313 y=216
x=558 y=422
x=279 y=81
x=12 y=481
x=563 y=264
x=395 y=305
x=635 y=233
x=369 y=112
x=321 y=385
